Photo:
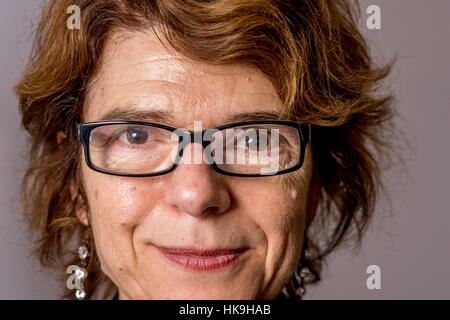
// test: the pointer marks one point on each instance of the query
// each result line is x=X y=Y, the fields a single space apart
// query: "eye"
x=252 y=141
x=251 y=138
x=135 y=135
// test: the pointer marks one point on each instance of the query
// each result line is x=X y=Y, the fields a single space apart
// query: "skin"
x=193 y=206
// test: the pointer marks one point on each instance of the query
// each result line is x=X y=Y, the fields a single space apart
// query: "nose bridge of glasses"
x=186 y=137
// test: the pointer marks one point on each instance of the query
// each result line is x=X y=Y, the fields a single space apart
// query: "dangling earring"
x=295 y=288
x=83 y=254
x=79 y=274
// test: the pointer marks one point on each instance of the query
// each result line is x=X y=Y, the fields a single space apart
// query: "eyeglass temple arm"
x=79 y=131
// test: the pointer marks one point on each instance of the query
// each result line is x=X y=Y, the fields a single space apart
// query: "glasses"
x=143 y=149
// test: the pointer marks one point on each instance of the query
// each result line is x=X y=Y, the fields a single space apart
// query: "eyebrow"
x=133 y=114
x=253 y=116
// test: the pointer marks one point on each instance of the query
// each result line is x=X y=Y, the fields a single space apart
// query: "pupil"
x=137 y=136
x=251 y=141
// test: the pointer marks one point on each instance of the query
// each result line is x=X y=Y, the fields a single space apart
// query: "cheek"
x=279 y=210
x=277 y=207
x=119 y=203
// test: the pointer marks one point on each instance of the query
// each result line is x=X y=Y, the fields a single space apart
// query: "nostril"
x=212 y=210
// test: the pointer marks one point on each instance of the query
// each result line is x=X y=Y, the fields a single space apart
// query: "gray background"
x=410 y=241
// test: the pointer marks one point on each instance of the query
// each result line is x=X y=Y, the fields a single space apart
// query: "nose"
x=194 y=188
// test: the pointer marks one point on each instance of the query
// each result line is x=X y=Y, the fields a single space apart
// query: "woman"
x=137 y=121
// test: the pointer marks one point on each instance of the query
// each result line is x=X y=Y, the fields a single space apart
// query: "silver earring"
x=79 y=273
x=295 y=289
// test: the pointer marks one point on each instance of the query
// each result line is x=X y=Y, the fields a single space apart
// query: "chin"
x=217 y=294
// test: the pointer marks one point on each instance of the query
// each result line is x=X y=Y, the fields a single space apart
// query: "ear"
x=60 y=136
x=80 y=204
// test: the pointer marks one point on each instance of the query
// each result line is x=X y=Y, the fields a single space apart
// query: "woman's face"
x=193 y=206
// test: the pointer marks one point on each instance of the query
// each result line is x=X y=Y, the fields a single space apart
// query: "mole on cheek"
x=294 y=194
x=96 y=194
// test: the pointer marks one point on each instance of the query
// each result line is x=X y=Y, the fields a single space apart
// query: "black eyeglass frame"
x=85 y=129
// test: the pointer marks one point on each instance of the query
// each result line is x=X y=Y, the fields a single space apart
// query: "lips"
x=201 y=260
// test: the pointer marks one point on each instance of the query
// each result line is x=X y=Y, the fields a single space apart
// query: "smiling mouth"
x=201 y=260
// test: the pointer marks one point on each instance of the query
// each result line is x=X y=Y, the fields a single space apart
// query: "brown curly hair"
x=311 y=50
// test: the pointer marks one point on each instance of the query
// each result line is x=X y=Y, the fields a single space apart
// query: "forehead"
x=137 y=71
